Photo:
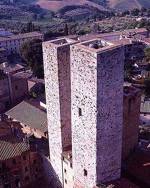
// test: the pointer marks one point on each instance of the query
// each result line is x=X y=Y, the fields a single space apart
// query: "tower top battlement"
x=98 y=45
x=60 y=42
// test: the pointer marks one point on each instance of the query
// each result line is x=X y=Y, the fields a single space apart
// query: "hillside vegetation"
x=56 y=5
x=100 y=4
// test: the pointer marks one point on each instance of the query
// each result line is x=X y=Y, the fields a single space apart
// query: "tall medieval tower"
x=84 y=93
x=56 y=56
x=97 y=111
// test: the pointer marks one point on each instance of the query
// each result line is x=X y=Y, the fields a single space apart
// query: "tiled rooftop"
x=29 y=115
x=130 y=90
x=112 y=36
x=11 y=68
x=9 y=149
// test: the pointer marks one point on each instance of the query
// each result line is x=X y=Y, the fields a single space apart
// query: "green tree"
x=30 y=27
x=135 y=12
x=66 y=30
x=147 y=87
x=31 y=52
x=2 y=75
x=147 y=53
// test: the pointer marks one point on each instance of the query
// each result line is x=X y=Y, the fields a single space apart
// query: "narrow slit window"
x=80 y=112
x=129 y=107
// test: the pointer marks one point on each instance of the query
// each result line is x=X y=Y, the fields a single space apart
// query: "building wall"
x=134 y=51
x=83 y=93
x=12 y=91
x=19 y=89
x=97 y=81
x=37 y=133
x=27 y=168
x=65 y=93
x=58 y=97
x=13 y=45
x=4 y=95
x=110 y=80
x=3 y=55
x=68 y=176
x=53 y=106
x=131 y=114
x=4 y=128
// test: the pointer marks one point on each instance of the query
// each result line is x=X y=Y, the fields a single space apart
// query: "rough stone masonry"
x=56 y=55
x=83 y=81
x=97 y=117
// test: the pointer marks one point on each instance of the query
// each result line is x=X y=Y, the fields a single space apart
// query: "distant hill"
x=128 y=4
x=56 y=5
x=100 y=4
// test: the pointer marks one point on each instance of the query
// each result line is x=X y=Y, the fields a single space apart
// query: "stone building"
x=13 y=85
x=20 y=161
x=87 y=65
x=58 y=96
x=3 y=56
x=97 y=80
x=13 y=89
x=131 y=115
x=4 y=94
x=19 y=166
x=13 y=43
x=32 y=119
x=84 y=94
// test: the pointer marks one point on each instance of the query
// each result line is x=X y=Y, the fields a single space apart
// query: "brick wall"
x=26 y=168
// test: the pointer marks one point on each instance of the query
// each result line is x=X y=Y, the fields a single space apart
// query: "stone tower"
x=56 y=56
x=131 y=114
x=97 y=111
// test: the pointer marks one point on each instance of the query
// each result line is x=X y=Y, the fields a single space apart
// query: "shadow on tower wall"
x=50 y=174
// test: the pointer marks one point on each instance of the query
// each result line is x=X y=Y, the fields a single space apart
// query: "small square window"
x=26 y=169
x=14 y=161
x=34 y=161
x=85 y=172
x=27 y=178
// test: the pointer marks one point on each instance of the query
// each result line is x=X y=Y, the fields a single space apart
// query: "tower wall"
x=83 y=93
x=131 y=113
x=110 y=68
x=97 y=117
x=53 y=106
x=58 y=97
